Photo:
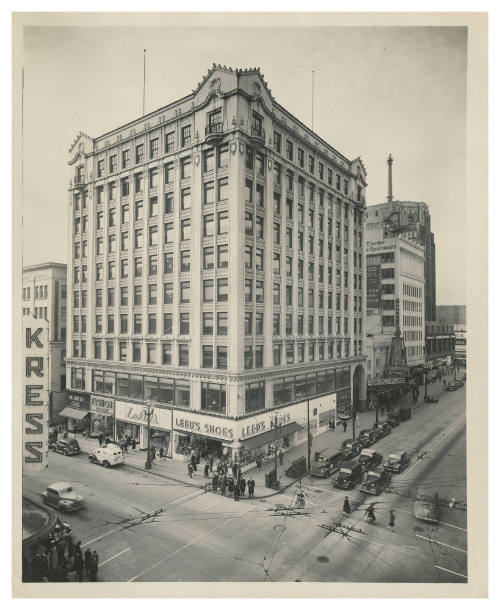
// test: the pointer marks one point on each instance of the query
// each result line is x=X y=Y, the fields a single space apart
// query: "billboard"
x=35 y=407
x=373 y=281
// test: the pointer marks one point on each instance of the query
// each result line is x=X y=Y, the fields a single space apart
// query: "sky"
x=378 y=90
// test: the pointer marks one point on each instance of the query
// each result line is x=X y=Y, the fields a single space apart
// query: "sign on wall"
x=373 y=281
x=138 y=414
x=102 y=405
x=77 y=400
x=35 y=393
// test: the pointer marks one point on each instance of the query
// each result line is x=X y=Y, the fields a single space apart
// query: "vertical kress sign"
x=35 y=393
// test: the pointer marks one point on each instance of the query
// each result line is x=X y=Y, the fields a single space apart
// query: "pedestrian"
x=392 y=520
x=223 y=486
x=215 y=481
x=78 y=567
x=71 y=546
x=61 y=549
x=243 y=485
x=87 y=560
x=258 y=463
x=193 y=460
x=100 y=437
x=125 y=446
x=134 y=444
x=78 y=549
x=153 y=453
x=251 y=487
x=211 y=464
x=236 y=493
x=161 y=453
x=333 y=425
x=444 y=384
x=230 y=485
x=207 y=470
x=347 y=507
x=235 y=470
x=280 y=456
x=94 y=566
x=344 y=425
x=190 y=470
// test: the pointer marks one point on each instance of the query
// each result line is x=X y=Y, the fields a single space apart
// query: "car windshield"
x=373 y=475
x=344 y=471
x=65 y=491
x=394 y=458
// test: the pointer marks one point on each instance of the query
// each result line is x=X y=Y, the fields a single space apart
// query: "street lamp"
x=148 y=463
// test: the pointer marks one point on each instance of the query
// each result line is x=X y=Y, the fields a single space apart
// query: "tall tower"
x=389 y=178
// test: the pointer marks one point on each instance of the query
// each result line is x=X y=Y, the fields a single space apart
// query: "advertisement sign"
x=397 y=314
x=138 y=414
x=205 y=425
x=102 y=405
x=77 y=400
x=373 y=281
x=35 y=393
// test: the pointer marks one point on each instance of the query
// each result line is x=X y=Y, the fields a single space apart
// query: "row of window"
x=38 y=312
x=412 y=291
x=412 y=321
x=413 y=335
x=296 y=388
x=40 y=292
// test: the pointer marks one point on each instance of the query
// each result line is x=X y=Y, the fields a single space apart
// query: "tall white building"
x=217 y=273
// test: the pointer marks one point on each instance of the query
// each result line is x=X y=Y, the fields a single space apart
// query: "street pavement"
x=149 y=528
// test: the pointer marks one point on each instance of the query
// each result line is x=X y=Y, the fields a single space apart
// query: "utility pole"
x=375 y=402
x=148 y=458
x=308 y=439
x=276 y=448
x=144 y=84
x=426 y=381
x=353 y=421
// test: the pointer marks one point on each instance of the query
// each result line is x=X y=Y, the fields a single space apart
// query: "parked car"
x=348 y=475
x=393 y=420
x=66 y=446
x=426 y=508
x=62 y=496
x=382 y=429
x=451 y=386
x=350 y=448
x=326 y=466
x=459 y=383
x=397 y=462
x=376 y=481
x=369 y=458
x=111 y=455
x=367 y=437
x=405 y=413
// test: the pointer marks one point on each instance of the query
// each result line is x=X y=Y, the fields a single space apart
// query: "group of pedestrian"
x=236 y=486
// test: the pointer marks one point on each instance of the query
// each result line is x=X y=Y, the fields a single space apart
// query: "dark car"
x=63 y=497
x=367 y=437
x=369 y=458
x=326 y=465
x=393 y=420
x=376 y=481
x=350 y=448
x=397 y=462
x=382 y=429
x=405 y=414
x=66 y=446
x=348 y=475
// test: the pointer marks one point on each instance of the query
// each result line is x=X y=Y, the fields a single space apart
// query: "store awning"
x=73 y=413
x=270 y=435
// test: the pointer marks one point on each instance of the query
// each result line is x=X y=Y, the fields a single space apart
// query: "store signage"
x=138 y=414
x=35 y=393
x=78 y=401
x=204 y=425
x=373 y=281
x=101 y=405
x=397 y=313
x=381 y=245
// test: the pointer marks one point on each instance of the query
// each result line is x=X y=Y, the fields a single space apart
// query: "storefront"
x=204 y=434
x=101 y=415
x=76 y=411
x=131 y=420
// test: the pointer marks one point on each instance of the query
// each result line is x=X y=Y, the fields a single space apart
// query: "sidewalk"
x=330 y=440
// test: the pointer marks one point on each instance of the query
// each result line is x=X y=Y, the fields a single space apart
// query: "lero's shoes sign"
x=35 y=393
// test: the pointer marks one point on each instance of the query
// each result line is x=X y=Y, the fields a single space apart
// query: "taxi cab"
x=62 y=496
x=397 y=462
x=111 y=455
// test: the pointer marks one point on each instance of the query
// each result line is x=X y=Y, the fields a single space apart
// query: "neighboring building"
x=44 y=296
x=394 y=299
x=460 y=357
x=411 y=220
x=451 y=314
x=439 y=345
x=217 y=270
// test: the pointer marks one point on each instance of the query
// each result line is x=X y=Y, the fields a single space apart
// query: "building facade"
x=395 y=299
x=451 y=314
x=439 y=345
x=460 y=356
x=45 y=297
x=217 y=273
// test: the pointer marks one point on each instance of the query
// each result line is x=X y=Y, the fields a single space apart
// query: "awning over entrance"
x=73 y=413
x=270 y=435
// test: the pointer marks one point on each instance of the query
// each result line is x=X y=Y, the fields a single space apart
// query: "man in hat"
x=251 y=487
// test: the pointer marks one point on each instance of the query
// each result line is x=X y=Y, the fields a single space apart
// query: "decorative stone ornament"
x=197 y=160
x=233 y=147
x=242 y=148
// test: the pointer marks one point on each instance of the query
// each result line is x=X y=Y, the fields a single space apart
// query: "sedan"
x=63 y=497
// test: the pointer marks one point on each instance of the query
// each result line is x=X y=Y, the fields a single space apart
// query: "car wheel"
x=66 y=452
x=44 y=498
x=105 y=464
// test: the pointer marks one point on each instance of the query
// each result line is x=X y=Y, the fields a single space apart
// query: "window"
x=248 y=257
x=208 y=193
x=277 y=354
x=168 y=172
x=209 y=160
x=168 y=293
x=276 y=294
x=100 y=194
x=259 y=291
x=223 y=156
x=222 y=323
x=113 y=165
x=100 y=220
x=98 y=323
x=277 y=173
x=207 y=357
x=111 y=244
x=249 y=158
x=185 y=199
x=248 y=323
x=248 y=357
x=153 y=264
x=138 y=183
x=169 y=232
x=276 y=263
x=248 y=291
x=112 y=191
x=153 y=236
x=169 y=141
x=208 y=258
x=289 y=237
x=138 y=267
x=277 y=141
x=185 y=261
x=124 y=187
x=123 y=295
x=139 y=153
x=111 y=270
x=221 y=357
x=249 y=224
x=167 y=323
x=185 y=292
x=222 y=290
x=186 y=136
x=124 y=241
x=222 y=223
x=154 y=145
x=277 y=203
x=123 y=323
x=169 y=203
x=222 y=189
x=300 y=154
x=151 y=353
x=208 y=291
x=276 y=233
x=259 y=259
x=100 y=168
x=289 y=150
x=98 y=297
x=138 y=294
x=185 y=229
x=153 y=178
x=207 y=323
x=184 y=324
x=208 y=225
x=110 y=350
x=151 y=323
x=259 y=227
x=288 y=294
x=259 y=189
x=152 y=294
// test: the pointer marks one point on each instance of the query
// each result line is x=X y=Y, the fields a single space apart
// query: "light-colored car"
x=111 y=455
x=63 y=497
x=426 y=508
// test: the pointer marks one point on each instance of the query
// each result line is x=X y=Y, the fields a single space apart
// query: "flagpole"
x=144 y=85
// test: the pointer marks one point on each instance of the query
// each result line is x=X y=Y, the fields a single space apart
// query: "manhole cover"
x=323 y=559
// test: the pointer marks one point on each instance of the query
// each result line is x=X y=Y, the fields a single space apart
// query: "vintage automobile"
x=62 y=496
x=326 y=465
x=66 y=446
x=367 y=437
x=426 y=508
x=369 y=458
x=111 y=455
x=382 y=429
x=375 y=481
x=350 y=448
x=393 y=420
x=397 y=462
x=405 y=413
x=451 y=386
x=348 y=475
